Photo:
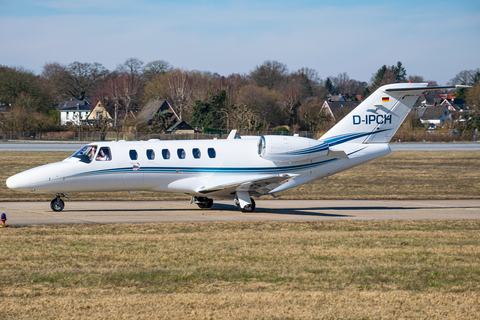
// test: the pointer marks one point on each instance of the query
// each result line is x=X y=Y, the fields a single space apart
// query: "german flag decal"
x=385 y=99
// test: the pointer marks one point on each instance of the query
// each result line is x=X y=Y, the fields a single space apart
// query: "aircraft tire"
x=249 y=207
x=57 y=204
x=205 y=205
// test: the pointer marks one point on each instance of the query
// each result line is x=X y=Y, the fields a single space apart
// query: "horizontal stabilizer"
x=426 y=88
x=258 y=186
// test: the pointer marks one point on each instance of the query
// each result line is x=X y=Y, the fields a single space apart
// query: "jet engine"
x=291 y=149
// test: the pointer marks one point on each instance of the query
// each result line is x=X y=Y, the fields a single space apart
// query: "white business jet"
x=229 y=168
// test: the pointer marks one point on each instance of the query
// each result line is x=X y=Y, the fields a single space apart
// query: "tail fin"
x=378 y=117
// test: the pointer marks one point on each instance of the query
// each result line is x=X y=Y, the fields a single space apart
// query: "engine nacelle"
x=291 y=149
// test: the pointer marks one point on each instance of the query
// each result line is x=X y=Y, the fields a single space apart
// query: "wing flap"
x=258 y=186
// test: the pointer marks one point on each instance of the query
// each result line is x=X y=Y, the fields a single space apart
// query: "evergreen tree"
x=400 y=72
x=461 y=93
x=378 y=77
x=162 y=121
x=365 y=93
x=476 y=78
x=329 y=86
x=207 y=114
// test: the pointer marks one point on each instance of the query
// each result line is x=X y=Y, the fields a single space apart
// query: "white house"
x=436 y=115
x=74 y=112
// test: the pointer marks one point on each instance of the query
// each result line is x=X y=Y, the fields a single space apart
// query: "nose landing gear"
x=57 y=204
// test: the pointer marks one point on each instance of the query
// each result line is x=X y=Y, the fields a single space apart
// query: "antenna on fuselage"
x=232 y=134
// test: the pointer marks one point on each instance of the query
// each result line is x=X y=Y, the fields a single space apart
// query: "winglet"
x=232 y=134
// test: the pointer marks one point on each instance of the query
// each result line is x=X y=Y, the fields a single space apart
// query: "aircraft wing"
x=255 y=187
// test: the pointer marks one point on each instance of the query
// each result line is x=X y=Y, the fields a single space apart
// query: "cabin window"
x=104 y=154
x=86 y=154
x=196 y=153
x=133 y=154
x=211 y=152
x=150 y=154
x=165 y=154
x=181 y=153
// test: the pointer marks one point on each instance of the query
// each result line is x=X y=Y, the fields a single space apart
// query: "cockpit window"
x=104 y=154
x=86 y=154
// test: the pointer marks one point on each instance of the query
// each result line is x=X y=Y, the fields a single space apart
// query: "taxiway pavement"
x=80 y=212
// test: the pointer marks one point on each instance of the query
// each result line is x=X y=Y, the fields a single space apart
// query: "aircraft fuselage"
x=180 y=166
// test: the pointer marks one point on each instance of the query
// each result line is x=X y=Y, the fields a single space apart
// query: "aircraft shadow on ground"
x=218 y=207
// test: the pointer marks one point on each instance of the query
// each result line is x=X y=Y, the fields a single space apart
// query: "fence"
x=113 y=136
x=434 y=136
x=71 y=136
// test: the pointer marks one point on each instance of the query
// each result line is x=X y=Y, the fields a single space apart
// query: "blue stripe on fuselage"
x=348 y=137
x=207 y=169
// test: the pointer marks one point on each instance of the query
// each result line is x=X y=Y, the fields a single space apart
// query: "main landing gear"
x=57 y=204
x=248 y=207
x=244 y=202
x=203 y=202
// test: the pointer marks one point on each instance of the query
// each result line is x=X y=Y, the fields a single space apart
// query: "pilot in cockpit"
x=91 y=153
x=102 y=155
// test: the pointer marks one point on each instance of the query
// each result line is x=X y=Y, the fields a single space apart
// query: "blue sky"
x=435 y=39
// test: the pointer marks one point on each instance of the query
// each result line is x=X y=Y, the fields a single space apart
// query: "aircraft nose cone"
x=17 y=182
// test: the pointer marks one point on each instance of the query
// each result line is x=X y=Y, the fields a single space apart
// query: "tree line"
x=269 y=97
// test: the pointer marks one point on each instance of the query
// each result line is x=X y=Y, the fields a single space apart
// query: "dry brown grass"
x=265 y=270
x=400 y=175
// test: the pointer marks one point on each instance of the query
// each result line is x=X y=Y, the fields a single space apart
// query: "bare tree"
x=464 y=77
x=473 y=97
x=415 y=79
x=270 y=74
x=310 y=116
x=260 y=105
x=129 y=86
x=202 y=84
x=341 y=83
x=21 y=86
x=232 y=85
x=178 y=90
x=310 y=74
x=83 y=79
x=54 y=73
x=131 y=66
x=291 y=99
x=123 y=93
x=309 y=82
x=154 y=68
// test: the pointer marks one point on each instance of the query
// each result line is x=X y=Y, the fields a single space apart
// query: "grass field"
x=249 y=270
x=399 y=175
x=255 y=270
